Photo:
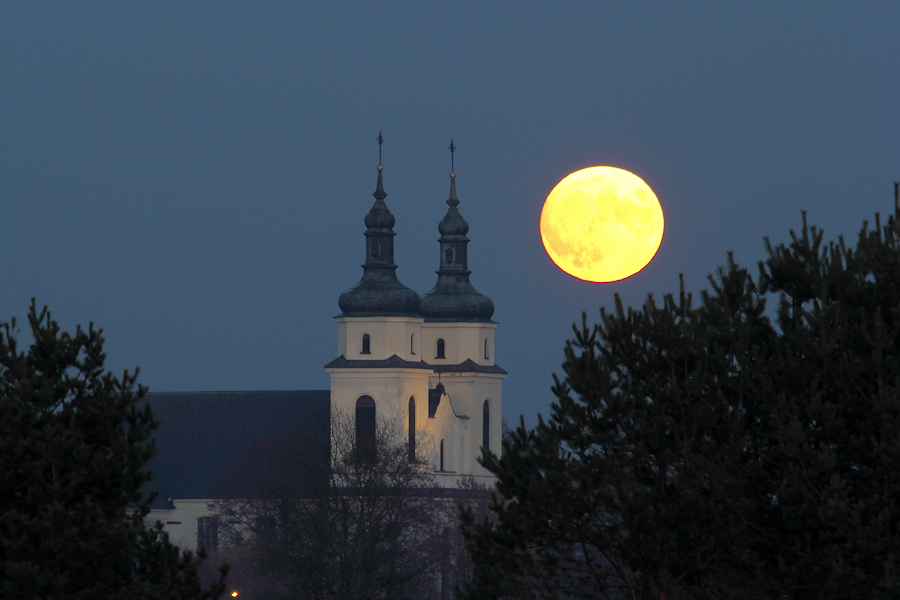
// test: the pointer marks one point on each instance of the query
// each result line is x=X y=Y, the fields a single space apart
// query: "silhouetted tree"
x=709 y=452
x=73 y=453
x=343 y=528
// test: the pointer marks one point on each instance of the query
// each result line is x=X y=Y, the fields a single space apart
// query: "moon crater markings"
x=601 y=224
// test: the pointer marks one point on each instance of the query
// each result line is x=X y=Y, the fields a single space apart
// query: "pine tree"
x=74 y=445
x=711 y=451
x=835 y=427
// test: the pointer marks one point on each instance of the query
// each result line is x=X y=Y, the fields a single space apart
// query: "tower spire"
x=379 y=189
x=380 y=140
x=452 y=149
x=379 y=292
x=453 y=298
x=452 y=200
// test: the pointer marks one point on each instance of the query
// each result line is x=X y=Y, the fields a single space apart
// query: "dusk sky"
x=193 y=177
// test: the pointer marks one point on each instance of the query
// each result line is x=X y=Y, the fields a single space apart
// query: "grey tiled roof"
x=394 y=362
x=469 y=366
x=434 y=400
x=216 y=444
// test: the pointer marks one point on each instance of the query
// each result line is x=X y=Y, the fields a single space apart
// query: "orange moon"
x=602 y=224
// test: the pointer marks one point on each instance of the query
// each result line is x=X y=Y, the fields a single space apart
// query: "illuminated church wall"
x=394 y=345
x=387 y=350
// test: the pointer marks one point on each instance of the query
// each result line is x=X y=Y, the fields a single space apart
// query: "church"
x=424 y=364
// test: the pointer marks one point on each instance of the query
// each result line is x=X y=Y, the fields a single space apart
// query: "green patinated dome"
x=454 y=298
x=379 y=292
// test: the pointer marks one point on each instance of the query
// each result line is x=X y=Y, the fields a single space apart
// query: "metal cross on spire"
x=452 y=148
x=380 y=140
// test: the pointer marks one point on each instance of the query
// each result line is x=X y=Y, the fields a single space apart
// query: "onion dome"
x=379 y=293
x=454 y=298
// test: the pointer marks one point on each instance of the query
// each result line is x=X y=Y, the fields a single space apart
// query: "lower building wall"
x=181 y=522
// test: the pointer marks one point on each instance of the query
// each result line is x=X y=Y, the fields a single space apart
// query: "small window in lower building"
x=442 y=455
x=208 y=533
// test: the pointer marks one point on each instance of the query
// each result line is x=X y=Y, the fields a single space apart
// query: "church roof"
x=468 y=366
x=215 y=444
x=434 y=399
x=454 y=298
x=394 y=362
x=379 y=292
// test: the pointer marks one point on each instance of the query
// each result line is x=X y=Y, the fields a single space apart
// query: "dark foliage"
x=339 y=527
x=73 y=453
x=712 y=452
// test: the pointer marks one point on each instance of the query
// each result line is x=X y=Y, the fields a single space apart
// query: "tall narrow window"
x=365 y=344
x=442 y=455
x=412 y=429
x=365 y=429
x=486 y=353
x=448 y=255
x=486 y=425
x=412 y=343
x=207 y=533
x=440 y=349
x=376 y=249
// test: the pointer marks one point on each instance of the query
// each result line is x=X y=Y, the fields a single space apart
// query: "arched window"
x=442 y=456
x=448 y=255
x=376 y=249
x=486 y=425
x=365 y=429
x=412 y=429
x=365 y=344
x=486 y=353
x=412 y=343
x=440 y=348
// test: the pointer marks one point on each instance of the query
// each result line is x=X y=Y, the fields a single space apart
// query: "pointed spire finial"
x=452 y=148
x=380 y=140
x=452 y=200
x=379 y=190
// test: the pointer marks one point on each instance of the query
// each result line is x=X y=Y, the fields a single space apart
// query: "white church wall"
x=462 y=341
x=468 y=391
x=390 y=388
x=444 y=427
x=387 y=336
x=181 y=522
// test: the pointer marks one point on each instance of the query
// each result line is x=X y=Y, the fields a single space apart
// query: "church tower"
x=426 y=364
x=379 y=373
x=458 y=342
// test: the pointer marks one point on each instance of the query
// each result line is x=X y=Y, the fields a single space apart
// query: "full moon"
x=601 y=224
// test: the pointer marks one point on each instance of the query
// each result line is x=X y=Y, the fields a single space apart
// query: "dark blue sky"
x=193 y=176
